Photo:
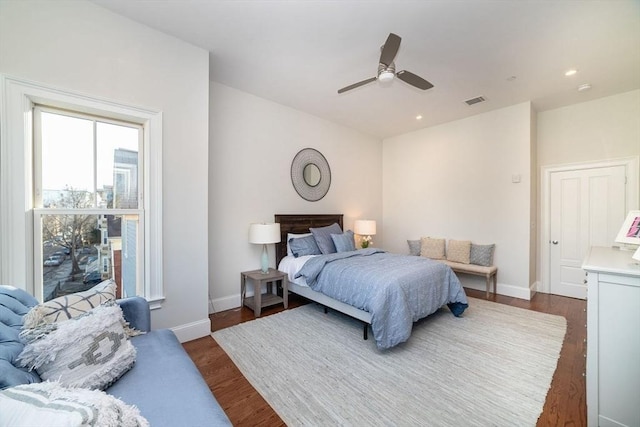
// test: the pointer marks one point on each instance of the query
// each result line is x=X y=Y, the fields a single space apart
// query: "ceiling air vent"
x=475 y=100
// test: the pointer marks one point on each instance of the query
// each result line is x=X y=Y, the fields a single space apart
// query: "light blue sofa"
x=164 y=383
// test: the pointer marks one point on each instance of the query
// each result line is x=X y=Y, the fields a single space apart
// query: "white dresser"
x=613 y=338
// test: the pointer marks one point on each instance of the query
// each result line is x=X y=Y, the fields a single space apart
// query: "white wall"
x=252 y=144
x=454 y=181
x=603 y=129
x=78 y=46
x=594 y=131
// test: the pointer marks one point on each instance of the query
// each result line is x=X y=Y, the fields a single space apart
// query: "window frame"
x=17 y=193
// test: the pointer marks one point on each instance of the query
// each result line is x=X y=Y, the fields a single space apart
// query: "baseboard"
x=503 y=289
x=192 y=331
x=221 y=304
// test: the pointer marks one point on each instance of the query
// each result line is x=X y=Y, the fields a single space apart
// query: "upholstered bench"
x=462 y=256
x=488 y=272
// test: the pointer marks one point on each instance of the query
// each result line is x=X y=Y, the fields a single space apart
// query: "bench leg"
x=488 y=285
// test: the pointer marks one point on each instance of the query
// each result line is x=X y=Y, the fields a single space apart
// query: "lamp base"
x=265 y=260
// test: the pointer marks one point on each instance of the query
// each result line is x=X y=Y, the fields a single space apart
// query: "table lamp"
x=365 y=228
x=264 y=234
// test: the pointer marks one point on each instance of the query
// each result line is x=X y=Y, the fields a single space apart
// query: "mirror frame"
x=311 y=193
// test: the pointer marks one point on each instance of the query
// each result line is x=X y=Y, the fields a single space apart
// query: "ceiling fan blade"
x=390 y=49
x=355 y=85
x=413 y=80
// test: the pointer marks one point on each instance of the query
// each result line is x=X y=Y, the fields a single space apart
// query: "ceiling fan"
x=387 y=68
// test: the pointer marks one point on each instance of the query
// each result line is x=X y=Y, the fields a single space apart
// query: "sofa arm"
x=136 y=312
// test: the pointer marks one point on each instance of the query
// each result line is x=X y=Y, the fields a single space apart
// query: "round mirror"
x=311 y=174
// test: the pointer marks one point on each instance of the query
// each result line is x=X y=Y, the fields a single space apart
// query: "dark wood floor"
x=565 y=404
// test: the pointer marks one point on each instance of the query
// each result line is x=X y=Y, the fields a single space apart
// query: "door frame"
x=631 y=165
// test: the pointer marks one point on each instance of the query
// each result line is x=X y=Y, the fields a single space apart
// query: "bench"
x=478 y=270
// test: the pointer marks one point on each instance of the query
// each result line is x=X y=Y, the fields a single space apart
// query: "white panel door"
x=587 y=208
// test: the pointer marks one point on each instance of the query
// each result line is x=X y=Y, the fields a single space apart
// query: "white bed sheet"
x=291 y=265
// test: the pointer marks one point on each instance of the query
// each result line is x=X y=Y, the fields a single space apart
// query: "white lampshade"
x=264 y=233
x=365 y=227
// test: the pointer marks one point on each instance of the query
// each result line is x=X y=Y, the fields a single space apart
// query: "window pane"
x=80 y=251
x=67 y=160
x=117 y=166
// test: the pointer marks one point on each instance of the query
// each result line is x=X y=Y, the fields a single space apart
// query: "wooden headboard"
x=299 y=224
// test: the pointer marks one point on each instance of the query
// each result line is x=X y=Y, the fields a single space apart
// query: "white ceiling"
x=299 y=53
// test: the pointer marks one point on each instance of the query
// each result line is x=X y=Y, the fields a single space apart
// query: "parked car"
x=92 y=277
x=53 y=261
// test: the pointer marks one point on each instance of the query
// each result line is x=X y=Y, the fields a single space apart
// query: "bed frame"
x=300 y=224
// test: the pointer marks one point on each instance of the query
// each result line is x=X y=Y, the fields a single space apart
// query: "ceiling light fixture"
x=571 y=72
x=386 y=76
x=419 y=117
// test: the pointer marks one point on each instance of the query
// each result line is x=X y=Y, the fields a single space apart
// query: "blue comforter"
x=396 y=289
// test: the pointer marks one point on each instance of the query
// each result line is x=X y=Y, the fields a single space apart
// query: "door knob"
x=555 y=242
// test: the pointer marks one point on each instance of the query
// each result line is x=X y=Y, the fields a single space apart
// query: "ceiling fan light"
x=386 y=76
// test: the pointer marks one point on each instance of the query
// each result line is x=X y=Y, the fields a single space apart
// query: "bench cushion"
x=471 y=268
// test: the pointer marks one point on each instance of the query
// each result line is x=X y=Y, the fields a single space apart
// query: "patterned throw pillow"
x=304 y=246
x=53 y=404
x=90 y=351
x=344 y=242
x=459 y=251
x=432 y=248
x=482 y=254
x=414 y=247
x=323 y=237
x=70 y=306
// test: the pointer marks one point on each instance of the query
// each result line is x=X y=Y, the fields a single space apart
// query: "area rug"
x=491 y=367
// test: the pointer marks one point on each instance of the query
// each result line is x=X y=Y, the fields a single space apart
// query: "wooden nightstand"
x=259 y=300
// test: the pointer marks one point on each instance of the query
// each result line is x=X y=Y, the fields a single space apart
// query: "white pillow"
x=91 y=351
x=294 y=236
x=52 y=404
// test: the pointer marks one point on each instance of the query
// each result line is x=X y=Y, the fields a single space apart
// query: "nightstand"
x=259 y=300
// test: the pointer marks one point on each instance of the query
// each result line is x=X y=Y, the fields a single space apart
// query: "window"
x=87 y=199
x=80 y=192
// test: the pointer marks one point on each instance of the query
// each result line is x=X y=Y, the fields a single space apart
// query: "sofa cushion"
x=90 y=351
x=166 y=386
x=32 y=404
x=14 y=304
x=70 y=306
x=459 y=251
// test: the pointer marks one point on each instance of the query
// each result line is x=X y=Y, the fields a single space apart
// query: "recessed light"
x=584 y=87
x=419 y=117
x=571 y=72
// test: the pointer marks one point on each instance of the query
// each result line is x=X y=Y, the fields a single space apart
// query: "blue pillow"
x=344 y=242
x=323 y=237
x=301 y=246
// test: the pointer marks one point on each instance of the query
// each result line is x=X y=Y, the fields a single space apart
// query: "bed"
x=423 y=298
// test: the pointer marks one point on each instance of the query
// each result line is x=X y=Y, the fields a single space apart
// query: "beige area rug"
x=492 y=367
